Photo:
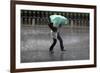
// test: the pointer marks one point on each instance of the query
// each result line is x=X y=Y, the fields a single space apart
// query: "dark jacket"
x=54 y=29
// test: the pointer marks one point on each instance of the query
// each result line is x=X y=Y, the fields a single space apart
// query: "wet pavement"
x=35 y=43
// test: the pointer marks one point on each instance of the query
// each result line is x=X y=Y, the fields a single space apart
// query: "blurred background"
x=30 y=17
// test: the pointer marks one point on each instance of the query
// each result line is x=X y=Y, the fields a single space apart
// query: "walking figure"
x=55 y=25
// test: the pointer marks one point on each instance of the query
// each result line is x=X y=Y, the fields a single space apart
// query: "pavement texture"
x=36 y=40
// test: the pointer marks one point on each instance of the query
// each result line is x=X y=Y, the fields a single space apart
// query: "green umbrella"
x=58 y=20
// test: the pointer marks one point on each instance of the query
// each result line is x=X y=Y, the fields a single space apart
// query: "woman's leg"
x=61 y=42
x=53 y=44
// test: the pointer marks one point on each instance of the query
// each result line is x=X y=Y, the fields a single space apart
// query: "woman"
x=55 y=35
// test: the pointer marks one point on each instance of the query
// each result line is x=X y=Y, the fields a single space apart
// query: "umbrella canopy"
x=58 y=20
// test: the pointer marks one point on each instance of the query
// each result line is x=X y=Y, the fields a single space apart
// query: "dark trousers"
x=55 y=41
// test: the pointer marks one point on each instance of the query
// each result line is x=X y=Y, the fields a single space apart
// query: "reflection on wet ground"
x=35 y=43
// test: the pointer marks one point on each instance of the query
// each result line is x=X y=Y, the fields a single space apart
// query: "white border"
x=57 y=63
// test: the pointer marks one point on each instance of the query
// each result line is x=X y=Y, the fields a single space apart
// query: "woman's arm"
x=54 y=29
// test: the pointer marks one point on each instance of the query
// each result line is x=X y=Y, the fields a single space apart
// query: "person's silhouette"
x=55 y=35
